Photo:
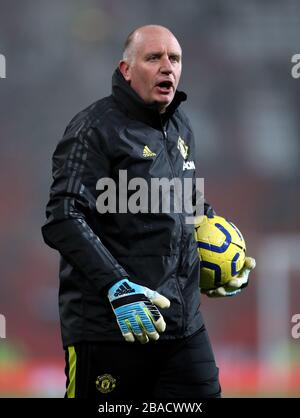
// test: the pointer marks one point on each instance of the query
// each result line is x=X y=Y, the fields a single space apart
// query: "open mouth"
x=165 y=86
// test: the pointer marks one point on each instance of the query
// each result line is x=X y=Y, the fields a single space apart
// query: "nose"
x=166 y=66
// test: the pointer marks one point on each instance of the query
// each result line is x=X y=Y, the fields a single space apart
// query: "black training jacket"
x=121 y=132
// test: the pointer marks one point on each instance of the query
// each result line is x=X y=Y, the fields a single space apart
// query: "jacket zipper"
x=165 y=138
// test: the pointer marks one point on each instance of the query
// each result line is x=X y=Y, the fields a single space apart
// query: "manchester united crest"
x=183 y=148
x=105 y=383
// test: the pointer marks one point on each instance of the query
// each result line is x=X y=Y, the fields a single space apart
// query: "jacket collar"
x=136 y=108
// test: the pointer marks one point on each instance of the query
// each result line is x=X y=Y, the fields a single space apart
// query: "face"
x=154 y=67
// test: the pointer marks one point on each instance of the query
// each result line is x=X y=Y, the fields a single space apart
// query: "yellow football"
x=222 y=250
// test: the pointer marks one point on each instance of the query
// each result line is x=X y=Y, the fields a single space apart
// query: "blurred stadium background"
x=244 y=106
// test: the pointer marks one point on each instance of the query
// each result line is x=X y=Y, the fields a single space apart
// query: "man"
x=118 y=269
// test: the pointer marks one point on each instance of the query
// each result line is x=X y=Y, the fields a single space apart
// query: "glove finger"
x=142 y=338
x=239 y=281
x=221 y=292
x=149 y=321
x=160 y=324
x=138 y=328
x=158 y=299
x=126 y=330
x=215 y=293
x=250 y=263
x=145 y=323
x=230 y=293
x=242 y=278
x=156 y=319
x=146 y=336
x=129 y=337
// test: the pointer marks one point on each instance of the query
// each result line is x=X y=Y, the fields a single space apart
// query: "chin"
x=165 y=102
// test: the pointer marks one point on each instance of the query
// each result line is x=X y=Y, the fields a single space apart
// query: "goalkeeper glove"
x=234 y=286
x=135 y=310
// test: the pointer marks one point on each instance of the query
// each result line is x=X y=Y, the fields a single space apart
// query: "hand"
x=234 y=286
x=137 y=315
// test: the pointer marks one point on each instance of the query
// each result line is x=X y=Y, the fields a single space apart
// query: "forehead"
x=157 y=42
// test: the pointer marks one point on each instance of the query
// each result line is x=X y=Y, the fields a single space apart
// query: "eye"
x=174 y=58
x=153 y=57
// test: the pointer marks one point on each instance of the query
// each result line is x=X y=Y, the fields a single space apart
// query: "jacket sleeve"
x=208 y=210
x=77 y=165
x=198 y=200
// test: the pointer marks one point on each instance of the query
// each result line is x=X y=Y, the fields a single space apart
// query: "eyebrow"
x=159 y=54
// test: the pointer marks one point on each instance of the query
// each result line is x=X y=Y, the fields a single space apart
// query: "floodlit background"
x=244 y=106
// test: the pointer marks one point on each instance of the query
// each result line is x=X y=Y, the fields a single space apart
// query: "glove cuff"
x=121 y=288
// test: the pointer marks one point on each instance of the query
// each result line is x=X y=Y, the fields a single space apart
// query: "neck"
x=162 y=109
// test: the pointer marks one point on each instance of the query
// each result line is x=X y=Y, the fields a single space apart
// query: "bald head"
x=139 y=36
x=151 y=64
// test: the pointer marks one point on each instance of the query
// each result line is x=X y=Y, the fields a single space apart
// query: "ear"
x=124 y=67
